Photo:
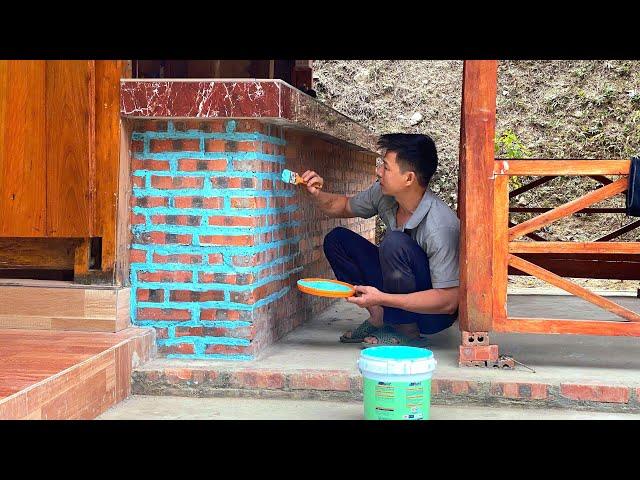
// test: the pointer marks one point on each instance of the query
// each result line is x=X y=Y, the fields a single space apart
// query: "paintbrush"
x=292 y=177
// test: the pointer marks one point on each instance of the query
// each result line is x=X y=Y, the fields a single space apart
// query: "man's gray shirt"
x=433 y=225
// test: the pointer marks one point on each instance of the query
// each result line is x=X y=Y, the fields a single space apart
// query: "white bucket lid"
x=397 y=360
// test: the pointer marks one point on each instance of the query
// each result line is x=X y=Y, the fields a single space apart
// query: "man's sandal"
x=363 y=330
x=389 y=336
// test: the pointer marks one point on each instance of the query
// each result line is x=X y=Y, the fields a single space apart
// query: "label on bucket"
x=396 y=400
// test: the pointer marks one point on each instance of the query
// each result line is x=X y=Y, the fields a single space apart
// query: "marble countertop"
x=271 y=100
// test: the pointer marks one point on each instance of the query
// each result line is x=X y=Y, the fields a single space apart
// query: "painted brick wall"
x=218 y=240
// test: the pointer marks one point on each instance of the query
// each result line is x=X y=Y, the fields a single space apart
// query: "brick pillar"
x=212 y=241
x=219 y=241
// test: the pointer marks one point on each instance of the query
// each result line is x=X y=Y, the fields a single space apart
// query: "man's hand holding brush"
x=313 y=181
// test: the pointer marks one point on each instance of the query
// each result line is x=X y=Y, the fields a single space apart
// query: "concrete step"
x=570 y=371
x=47 y=374
x=143 y=407
x=179 y=378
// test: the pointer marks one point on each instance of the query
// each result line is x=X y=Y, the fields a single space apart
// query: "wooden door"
x=23 y=169
x=69 y=96
x=60 y=166
x=46 y=154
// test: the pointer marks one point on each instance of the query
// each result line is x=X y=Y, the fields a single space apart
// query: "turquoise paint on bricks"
x=171 y=159
x=211 y=356
x=194 y=134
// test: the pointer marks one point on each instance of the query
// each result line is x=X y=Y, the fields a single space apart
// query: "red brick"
x=150 y=201
x=248 y=202
x=158 y=145
x=176 y=182
x=200 y=165
x=595 y=393
x=151 y=126
x=234 y=182
x=326 y=380
x=161 y=332
x=189 y=331
x=478 y=353
x=248 y=147
x=227 y=349
x=204 y=202
x=149 y=295
x=257 y=379
x=215 y=146
x=250 y=126
x=190 y=144
x=231 y=221
x=256 y=166
x=138 y=164
x=163 y=314
x=455 y=387
x=171 y=238
x=137 y=256
x=250 y=297
x=193 y=296
x=231 y=279
x=151 y=375
x=137 y=145
x=176 y=375
x=165 y=276
x=215 y=258
x=243 y=332
x=190 y=220
x=185 y=258
x=219 y=314
x=137 y=182
x=238 y=240
x=475 y=338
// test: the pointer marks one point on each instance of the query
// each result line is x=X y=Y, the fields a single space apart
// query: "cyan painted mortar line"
x=236 y=212
x=211 y=356
x=199 y=155
x=207 y=190
x=226 y=306
x=202 y=287
x=224 y=249
x=222 y=268
x=200 y=134
x=205 y=341
x=150 y=266
x=209 y=229
x=210 y=173
x=231 y=325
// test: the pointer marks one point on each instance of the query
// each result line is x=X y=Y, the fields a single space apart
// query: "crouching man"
x=409 y=284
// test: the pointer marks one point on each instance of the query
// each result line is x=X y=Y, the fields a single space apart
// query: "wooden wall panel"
x=22 y=148
x=108 y=74
x=69 y=138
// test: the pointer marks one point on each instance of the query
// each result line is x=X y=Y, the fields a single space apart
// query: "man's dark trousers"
x=399 y=265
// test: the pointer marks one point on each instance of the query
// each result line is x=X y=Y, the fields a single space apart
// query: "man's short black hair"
x=415 y=152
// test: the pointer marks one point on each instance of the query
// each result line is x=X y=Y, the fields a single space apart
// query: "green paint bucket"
x=396 y=382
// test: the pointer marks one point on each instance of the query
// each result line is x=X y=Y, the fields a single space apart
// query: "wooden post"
x=476 y=210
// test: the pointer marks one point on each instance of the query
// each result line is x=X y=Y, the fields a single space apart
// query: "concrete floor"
x=555 y=358
x=186 y=408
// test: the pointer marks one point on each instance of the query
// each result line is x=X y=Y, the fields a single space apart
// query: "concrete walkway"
x=185 y=408
x=571 y=371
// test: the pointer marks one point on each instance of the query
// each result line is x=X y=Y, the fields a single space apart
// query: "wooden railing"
x=509 y=253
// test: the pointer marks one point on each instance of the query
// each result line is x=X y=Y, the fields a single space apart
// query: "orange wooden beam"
x=561 y=167
x=571 y=287
x=477 y=152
